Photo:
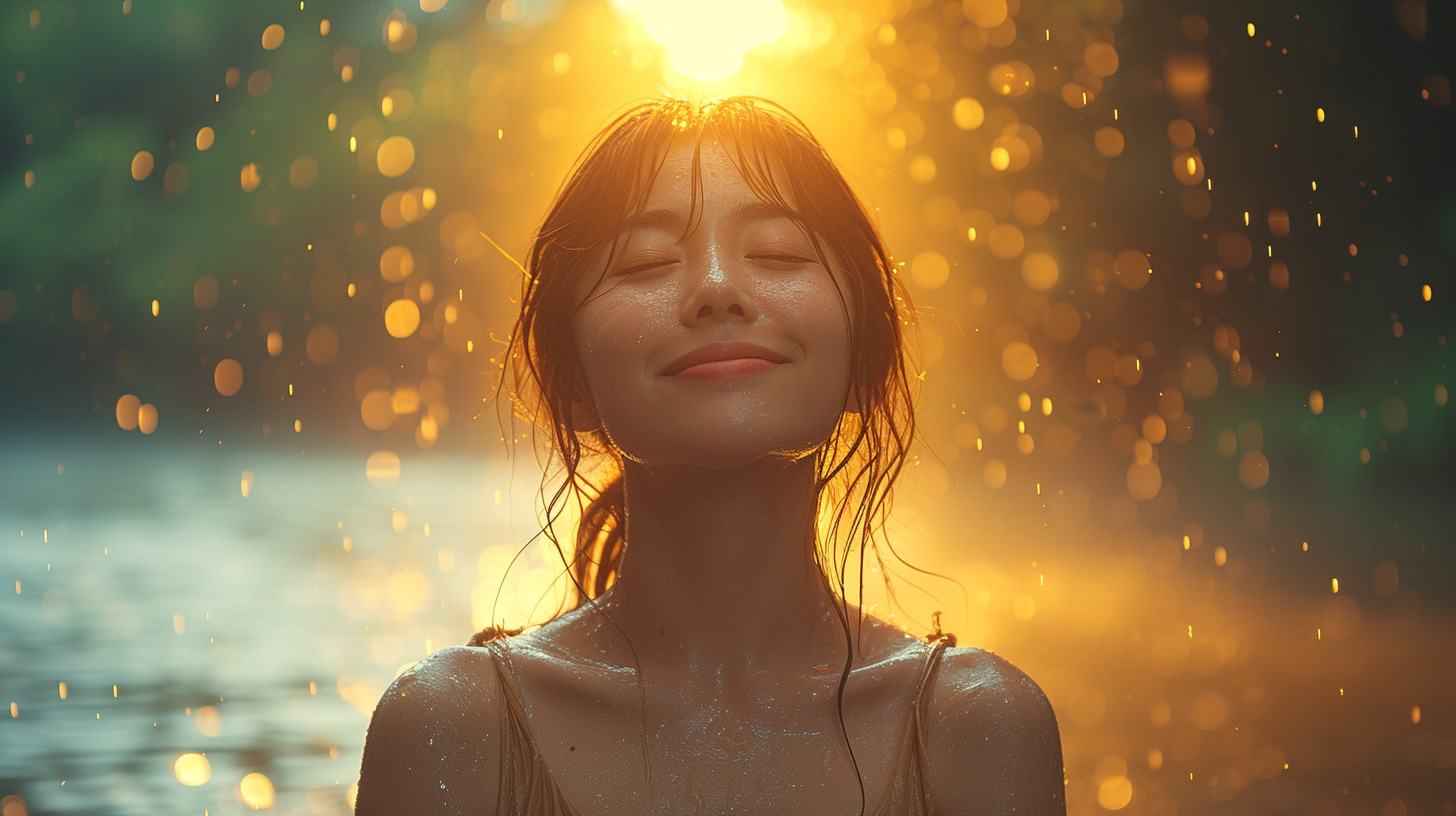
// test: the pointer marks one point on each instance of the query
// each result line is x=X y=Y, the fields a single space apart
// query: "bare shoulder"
x=994 y=745
x=970 y=672
x=433 y=745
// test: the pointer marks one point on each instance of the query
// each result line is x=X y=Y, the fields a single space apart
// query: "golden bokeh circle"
x=930 y=270
x=227 y=377
x=382 y=468
x=192 y=769
x=1144 y=480
x=141 y=165
x=1040 y=271
x=401 y=318
x=1019 y=361
x=126 y=412
x=396 y=155
x=256 y=791
x=1253 y=470
x=147 y=418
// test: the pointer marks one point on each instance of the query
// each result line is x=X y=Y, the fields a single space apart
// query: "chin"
x=725 y=446
x=732 y=460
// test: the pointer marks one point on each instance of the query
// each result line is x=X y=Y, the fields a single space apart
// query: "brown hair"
x=863 y=456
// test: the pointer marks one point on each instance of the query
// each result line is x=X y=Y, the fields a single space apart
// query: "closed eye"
x=643 y=267
x=788 y=259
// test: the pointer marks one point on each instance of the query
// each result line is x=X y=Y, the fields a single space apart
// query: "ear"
x=584 y=417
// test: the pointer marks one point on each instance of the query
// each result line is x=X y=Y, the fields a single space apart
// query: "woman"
x=711 y=319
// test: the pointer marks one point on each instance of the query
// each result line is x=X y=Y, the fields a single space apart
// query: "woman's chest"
x=693 y=746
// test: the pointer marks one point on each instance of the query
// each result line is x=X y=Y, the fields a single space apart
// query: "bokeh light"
x=227 y=377
x=401 y=318
x=256 y=791
x=128 y=408
x=383 y=468
x=141 y=165
x=395 y=156
x=147 y=418
x=192 y=769
x=1182 y=340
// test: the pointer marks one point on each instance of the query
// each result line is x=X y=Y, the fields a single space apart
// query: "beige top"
x=528 y=789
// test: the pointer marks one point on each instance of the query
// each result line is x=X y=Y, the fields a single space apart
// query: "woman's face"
x=719 y=348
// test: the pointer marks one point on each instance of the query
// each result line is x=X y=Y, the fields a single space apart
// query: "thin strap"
x=936 y=648
x=526 y=785
x=921 y=718
x=506 y=670
x=908 y=790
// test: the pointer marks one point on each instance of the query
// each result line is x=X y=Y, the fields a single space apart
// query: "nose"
x=721 y=289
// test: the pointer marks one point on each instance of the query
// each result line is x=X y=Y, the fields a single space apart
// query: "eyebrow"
x=744 y=212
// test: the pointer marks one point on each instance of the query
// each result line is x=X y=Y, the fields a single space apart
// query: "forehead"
x=717 y=179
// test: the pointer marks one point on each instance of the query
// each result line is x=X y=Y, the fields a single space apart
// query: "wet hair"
x=775 y=153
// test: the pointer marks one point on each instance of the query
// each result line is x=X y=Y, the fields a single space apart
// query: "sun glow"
x=706 y=40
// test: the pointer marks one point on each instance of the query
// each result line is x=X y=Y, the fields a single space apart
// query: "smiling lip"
x=719 y=352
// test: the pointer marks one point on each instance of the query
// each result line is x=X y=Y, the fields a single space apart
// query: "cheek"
x=612 y=335
x=812 y=307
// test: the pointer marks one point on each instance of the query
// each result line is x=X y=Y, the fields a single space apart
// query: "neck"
x=718 y=572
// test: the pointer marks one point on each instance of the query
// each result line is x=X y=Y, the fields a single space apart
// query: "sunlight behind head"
x=706 y=41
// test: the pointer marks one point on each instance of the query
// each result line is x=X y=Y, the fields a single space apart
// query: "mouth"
x=724 y=359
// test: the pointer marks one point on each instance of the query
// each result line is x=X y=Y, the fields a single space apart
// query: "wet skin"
x=715 y=658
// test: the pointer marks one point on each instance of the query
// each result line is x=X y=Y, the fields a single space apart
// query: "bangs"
x=779 y=160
